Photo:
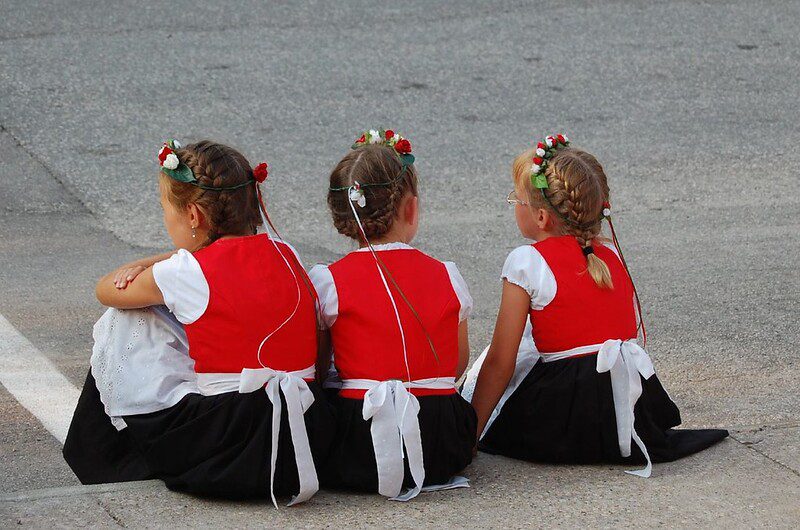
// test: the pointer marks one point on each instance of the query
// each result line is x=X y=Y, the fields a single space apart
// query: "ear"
x=409 y=210
x=195 y=215
x=543 y=218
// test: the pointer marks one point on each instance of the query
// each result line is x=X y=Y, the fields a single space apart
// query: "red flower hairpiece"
x=260 y=172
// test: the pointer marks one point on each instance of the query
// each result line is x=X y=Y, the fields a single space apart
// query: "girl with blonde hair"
x=564 y=379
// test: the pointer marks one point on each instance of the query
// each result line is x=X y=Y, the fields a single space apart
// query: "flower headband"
x=390 y=139
x=172 y=166
x=545 y=150
x=387 y=138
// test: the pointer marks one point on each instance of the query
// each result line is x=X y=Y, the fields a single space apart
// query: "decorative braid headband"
x=388 y=138
x=172 y=167
x=545 y=150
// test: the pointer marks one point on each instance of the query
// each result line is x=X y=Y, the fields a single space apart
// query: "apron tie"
x=625 y=361
x=298 y=400
x=395 y=431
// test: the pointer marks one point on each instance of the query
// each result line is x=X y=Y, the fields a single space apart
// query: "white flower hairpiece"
x=356 y=195
x=171 y=161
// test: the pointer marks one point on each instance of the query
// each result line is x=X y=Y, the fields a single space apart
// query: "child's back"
x=569 y=310
x=564 y=379
x=367 y=341
x=397 y=320
x=246 y=321
x=240 y=290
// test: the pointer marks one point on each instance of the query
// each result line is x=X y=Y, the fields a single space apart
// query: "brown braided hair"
x=577 y=189
x=370 y=165
x=228 y=212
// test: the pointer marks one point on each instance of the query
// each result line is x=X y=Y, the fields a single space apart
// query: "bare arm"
x=498 y=367
x=142 y=293
x=463 y=349
x=128 y=272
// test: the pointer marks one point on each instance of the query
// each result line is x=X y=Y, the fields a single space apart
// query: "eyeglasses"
x=513 y=199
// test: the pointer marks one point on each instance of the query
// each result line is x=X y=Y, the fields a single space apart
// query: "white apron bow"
x=626 y=360
x=298 y=400
x=395 y=431
x=395 y=425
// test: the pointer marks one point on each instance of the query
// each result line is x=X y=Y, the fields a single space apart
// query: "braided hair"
x=577 y=190
x=370 y=165
x=228 y=212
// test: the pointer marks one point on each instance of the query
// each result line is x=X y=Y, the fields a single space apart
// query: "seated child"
x=572 y=386
x=175 y=392
x=397 y=320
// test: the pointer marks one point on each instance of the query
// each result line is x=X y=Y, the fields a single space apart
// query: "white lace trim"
x=395 y=245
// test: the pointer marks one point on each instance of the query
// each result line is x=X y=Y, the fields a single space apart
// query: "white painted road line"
x=35 y=382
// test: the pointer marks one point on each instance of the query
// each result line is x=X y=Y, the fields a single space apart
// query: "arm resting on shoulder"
x=142 y=293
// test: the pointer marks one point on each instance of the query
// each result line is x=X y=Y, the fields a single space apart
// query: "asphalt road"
x=691 y=106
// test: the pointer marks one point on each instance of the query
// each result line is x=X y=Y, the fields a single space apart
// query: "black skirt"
x=563 y=412
x=207 y=445
x=447 y=425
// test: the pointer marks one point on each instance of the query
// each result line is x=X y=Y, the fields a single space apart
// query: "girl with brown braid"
x=395 y=320
x=564 y=380
x=203 y=370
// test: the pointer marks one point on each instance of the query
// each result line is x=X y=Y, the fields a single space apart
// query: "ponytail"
x=595 y=266
x=599 y=272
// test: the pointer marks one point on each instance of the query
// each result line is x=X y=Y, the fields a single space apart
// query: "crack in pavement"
x=69 y=190
x=50 y=171
x=751 y=447
x=111 y=514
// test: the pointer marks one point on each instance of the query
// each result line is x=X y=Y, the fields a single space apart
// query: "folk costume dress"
x=178 y=392
x=384 y=404
x=583 y=390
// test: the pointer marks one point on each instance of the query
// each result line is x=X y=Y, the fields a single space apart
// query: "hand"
x=126 y=274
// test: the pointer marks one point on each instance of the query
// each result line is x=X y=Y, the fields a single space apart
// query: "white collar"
x=395 y=245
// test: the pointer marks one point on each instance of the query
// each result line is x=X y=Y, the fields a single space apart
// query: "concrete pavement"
x=691 y=106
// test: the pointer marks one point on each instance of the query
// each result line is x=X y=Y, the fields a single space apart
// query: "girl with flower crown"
x=564 y=379
x=203 y=369
x=396 y=322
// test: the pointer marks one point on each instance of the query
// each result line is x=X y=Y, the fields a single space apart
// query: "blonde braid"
x=577 y=189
